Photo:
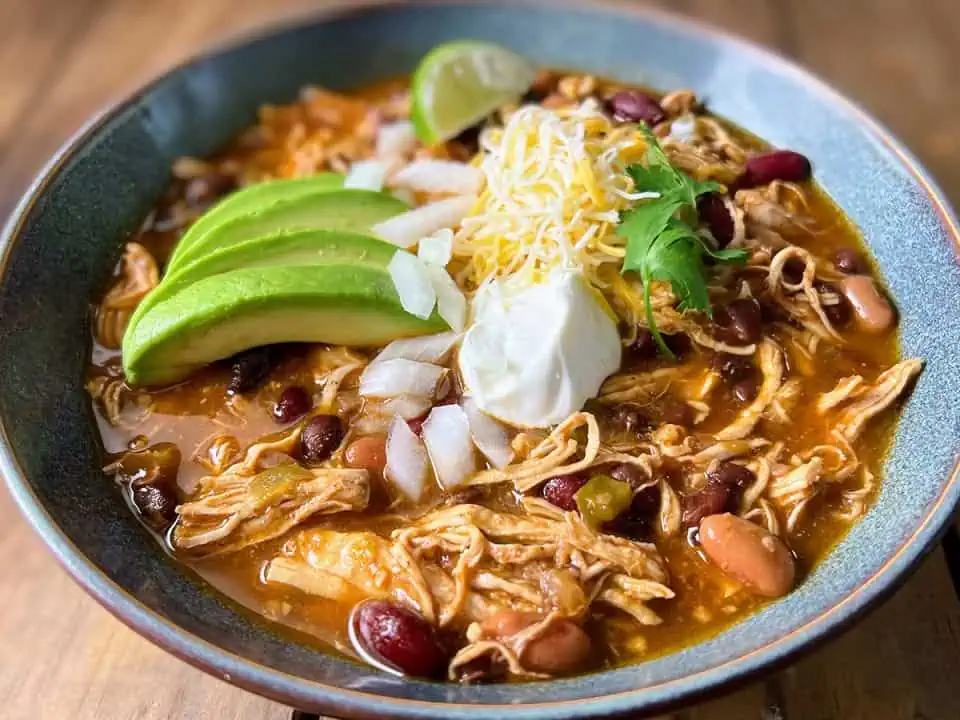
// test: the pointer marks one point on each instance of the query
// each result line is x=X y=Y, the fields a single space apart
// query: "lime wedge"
x=459 y=83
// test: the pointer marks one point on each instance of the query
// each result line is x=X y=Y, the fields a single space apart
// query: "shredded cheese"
x=555 y=182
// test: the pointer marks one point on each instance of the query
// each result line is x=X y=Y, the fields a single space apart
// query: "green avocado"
x=252 y=198
x=219 y=316
x=293 y=248
x=351 y=210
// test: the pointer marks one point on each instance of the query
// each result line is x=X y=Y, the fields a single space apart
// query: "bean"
x=250 y=368
x=562 y=647
x=560 y=491
x=294 y=403
x=630 y=474
x=716 y=216
x=319 y=438
x=157 y=504
x=731 y=474
x=785 y=165
x=630 y=418
x=635 y=106
x=745 y=390
x=873 y=310
x=368 y=452
x=644 y=347
x=793 y=270
x=748 y=553
x=732 y=367
x=677 y=412
x=678 y=343
x=711 y=500
x=741 y=321
x=398 y=636
x=850 y=261
x=838 y=311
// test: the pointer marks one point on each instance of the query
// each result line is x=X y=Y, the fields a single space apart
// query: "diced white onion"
x=406 y=229
x=488 y=435
x=437 y=248
x=684 y=128
x=396 y=140
x=367 y=175
x=451 y=304
x=391 y=378
x=408 y=196
x=446 y=434
x=426 y=348
x=407 y=460
x=413 y=283
x=439 y=176
x=406 y=406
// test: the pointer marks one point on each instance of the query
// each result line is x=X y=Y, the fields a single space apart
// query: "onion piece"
x=406 y=229
x=367 y=175
x=439 y=176
x=488 y=435
x=395 y=140
x=407 y=460
x=426 y=348
x=684 y=129
x=406 y=406
x=446 y=434
x=451 y=304
x=436 y=249
x=392 y=378
x=413 y=283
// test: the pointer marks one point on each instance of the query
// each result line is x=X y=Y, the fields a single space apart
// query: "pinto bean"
x=874 y=313
x=368 y=452
x=747 y=552
x=504 y=623
x=562 y=647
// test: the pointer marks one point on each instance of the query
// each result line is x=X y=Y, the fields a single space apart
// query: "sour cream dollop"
x=535 y=355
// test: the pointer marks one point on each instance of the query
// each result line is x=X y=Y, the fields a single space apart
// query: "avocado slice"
x=217 y=317
x=293 y=247
x=351 y=210
x=252 y=198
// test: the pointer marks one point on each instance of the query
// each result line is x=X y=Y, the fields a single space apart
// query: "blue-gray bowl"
x=60 y=246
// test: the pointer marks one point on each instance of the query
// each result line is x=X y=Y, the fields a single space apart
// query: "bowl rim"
x=291 y=689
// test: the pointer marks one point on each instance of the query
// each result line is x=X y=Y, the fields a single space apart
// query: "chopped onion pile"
x=436 y=249
x=392 y=378
x=488 y=435
x=446 y=434
x=396 y=140
x=406 y=229
x=427 y=348
x=407 y=459
x=367 y=175
x=413 y=283
x=439 y=176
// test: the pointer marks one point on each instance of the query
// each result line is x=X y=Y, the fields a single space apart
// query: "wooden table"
x=62 y=656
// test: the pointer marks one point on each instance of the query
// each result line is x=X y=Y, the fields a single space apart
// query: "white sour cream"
x=533 y=356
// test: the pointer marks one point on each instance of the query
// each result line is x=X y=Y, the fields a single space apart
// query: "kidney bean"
x=838 y=312
x=745 y=390
x=294 y=403
x=321 y=435
x=873 y=310
x=850 y=261
x=630 y=418
x=748 y=553
x=716 y=216
x=250 y=368
x=560 y=491
x=635 y=106
x=732 y=367
x=399 y=637
x=740 y=321
x=784 y=165
x=368 y=452
x=157 y=504
x=630 y=474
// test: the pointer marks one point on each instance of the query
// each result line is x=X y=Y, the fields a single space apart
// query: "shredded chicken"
x=869 y=401
x=771 y=365
x=138 y=276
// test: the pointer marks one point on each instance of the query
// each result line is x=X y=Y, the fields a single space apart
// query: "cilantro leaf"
x=661 y=245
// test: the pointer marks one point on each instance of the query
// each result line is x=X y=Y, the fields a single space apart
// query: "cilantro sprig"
x=662 y=240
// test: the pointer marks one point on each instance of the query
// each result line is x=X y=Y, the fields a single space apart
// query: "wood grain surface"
x=62 y=656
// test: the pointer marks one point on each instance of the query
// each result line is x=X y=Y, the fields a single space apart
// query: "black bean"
x=716 y=216
x=850 y=262
x=711 y=500
x=776 y=165
x=250 y=368
x=731 y=474
x=679 y=344
x=156 y=503
x=635 y=106
x=644 y=347
x=560 y=491
x=745 y=390
x=294 y=403
x=399 y=637
x=630 y=474
x=838 y=312
x=630 y=418
x=740 y=321
x=321 y=435
x=732 y=367
x=677 y=412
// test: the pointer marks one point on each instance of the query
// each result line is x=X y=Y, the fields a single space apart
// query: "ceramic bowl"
x=60 y=246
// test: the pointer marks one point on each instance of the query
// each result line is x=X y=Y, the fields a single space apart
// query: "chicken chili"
x=566 y=380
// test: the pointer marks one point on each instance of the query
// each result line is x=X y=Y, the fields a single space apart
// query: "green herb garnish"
x=662 y=240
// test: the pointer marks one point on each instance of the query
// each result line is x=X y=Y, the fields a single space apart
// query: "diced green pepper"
x=273 y=484
x=602 y=499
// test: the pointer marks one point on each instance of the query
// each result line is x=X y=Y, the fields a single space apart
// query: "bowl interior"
x=71 y=229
